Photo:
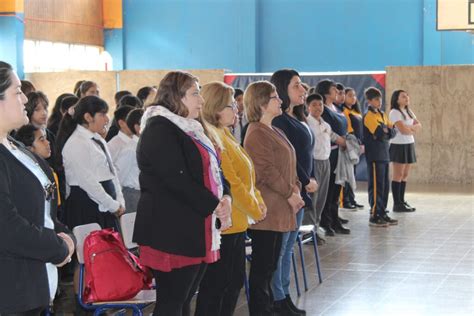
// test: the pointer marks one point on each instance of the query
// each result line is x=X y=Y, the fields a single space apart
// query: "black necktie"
x=109 y=161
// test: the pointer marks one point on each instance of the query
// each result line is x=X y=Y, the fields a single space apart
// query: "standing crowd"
x=208 y=170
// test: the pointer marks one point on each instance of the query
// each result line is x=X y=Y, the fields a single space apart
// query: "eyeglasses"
x=233 y=106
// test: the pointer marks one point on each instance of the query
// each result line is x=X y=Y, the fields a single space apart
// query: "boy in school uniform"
x=323 y=136
x=378 y=130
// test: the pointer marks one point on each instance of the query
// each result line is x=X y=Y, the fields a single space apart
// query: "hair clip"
x=71 y=110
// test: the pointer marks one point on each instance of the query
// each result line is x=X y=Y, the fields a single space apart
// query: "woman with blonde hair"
x=275 y=165
x=183 y=194
x=223 y=280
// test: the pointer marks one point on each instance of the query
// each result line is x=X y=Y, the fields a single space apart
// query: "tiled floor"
x=423 y=266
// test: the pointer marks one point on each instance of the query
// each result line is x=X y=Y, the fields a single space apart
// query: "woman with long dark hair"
x=32 y=242
x=293 y=123
x=402 y=147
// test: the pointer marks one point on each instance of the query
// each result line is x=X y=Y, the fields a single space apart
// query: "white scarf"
x=195 y=130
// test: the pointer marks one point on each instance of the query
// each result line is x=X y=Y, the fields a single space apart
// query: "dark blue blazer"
x=25 y=244
x=302 y=140
x=337 y=121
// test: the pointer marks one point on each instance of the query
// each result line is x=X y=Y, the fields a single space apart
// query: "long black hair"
x=56 y=114
x=356 y=106
x=89 y=104
x=281 y=79
x=323 y=87
x=6 y=71
x=394 y=104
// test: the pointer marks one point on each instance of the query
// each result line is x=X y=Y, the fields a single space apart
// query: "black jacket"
x=25 y=244
x=174 y=201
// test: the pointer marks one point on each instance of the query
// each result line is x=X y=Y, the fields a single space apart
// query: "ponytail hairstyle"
x=323 y=87
x=75 y=116
x=394 y=104
x=85 y=86
x=56 y=114
x=356 y=106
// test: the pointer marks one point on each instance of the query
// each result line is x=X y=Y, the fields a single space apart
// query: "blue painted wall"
x=11 y=41
x=191 y=34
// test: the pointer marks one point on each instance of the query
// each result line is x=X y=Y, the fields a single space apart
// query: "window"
x=43 y=56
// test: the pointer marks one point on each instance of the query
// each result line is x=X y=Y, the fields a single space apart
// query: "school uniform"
x=123 y=150
x=355 y=127
x=376 y=141
x=323 y=135
x=330 y=216
x=29 y=245
x=402 y=147
x=94 y=188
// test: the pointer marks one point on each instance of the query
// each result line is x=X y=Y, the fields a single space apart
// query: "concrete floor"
x=423 y=266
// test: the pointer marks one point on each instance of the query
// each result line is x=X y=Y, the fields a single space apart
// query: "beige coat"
x=275 y=167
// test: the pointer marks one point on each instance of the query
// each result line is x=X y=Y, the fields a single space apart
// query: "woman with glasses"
x=275 y=166
x=183 y=193
x=221 y=285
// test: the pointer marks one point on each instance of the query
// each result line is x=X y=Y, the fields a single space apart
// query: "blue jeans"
x=281 y=277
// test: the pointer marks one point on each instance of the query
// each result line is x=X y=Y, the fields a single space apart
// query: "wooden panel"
x=71 y=21
x=442 y=98
x=133 y=80
x=56 y=83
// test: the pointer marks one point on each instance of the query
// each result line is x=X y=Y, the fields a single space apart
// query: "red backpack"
x=112 y=273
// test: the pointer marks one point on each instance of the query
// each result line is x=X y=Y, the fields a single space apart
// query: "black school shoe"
x=359 y=206
x=349 y=207
x=389 y=220
x=401 y=208
x=293 y=307
x=409 y=206
x=377 y=222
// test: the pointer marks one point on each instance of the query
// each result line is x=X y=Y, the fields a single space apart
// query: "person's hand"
x=223 y=211
x=362 y=149
x=70 y=245
x=416 y=127
x=296 y=202
x=312 y=186
x=263 y=209
x=341 y=142
x=120 y=211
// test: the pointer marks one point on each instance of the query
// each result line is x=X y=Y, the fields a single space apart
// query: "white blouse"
x=86 y=165
x=123 y=150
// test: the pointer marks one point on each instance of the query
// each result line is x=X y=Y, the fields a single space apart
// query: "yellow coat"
x=239 y=171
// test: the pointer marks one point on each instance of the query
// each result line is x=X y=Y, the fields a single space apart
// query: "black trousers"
x=348 y=196
x=33 y=312
x=266 y=246
x=223 y=280
x=175 y=289
x=379 y=187
x=330 y=214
